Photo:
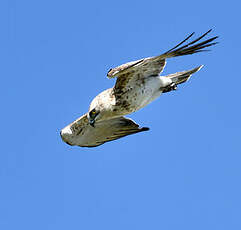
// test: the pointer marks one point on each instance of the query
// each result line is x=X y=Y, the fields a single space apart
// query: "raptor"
x=138 y=83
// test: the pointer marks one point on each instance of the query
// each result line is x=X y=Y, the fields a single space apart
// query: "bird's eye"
x=93 y=113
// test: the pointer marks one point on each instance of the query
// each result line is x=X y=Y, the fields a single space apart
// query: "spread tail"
x=181 y=77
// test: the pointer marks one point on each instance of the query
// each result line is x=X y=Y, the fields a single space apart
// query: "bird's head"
x=101 y=107
x=93 y=115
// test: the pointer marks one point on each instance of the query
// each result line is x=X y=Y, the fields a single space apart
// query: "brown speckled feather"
x=138 y=84
x=142 y=69
x=130 y=72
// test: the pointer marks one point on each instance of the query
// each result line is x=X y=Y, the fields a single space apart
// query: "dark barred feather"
x=187 y=49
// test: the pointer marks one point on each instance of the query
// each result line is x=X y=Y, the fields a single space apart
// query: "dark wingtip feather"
x=187 y=49
x=189 y=36
x=145 y=129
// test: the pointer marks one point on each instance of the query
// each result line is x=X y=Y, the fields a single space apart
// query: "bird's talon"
x=173 y=86
x=169 y=88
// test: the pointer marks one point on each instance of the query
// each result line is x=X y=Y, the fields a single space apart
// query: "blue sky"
x=183 y=174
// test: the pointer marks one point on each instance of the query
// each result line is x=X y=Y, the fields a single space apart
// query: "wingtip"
x=191 y=34
x=145 y=129
x=209 y=30
x=199 y=67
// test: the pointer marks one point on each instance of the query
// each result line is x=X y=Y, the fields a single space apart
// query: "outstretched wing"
x=130 y=72
x=82 y=134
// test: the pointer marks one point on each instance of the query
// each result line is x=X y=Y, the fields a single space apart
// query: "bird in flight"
x=138 y=83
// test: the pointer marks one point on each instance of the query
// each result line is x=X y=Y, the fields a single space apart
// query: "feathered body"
x=138 y=84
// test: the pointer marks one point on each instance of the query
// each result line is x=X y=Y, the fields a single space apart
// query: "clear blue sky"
x=185 y=173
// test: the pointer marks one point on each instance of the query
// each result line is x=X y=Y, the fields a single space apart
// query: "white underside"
x=149 y=91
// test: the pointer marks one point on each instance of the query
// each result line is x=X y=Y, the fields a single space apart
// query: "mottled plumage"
x=138 y=83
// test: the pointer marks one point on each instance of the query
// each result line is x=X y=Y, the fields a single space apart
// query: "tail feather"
x=181 y=77
x=187 y=49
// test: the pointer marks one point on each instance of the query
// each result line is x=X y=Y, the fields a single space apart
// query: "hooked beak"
x=92 y=122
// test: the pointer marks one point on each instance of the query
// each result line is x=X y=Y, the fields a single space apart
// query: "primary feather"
x=138 y=83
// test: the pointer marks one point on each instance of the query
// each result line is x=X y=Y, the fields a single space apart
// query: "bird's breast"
x=139 y=95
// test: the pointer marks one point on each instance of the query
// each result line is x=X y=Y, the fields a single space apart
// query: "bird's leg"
x=169 y=88
x=173 y=86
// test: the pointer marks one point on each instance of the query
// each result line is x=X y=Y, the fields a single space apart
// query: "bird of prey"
x=138 y=83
